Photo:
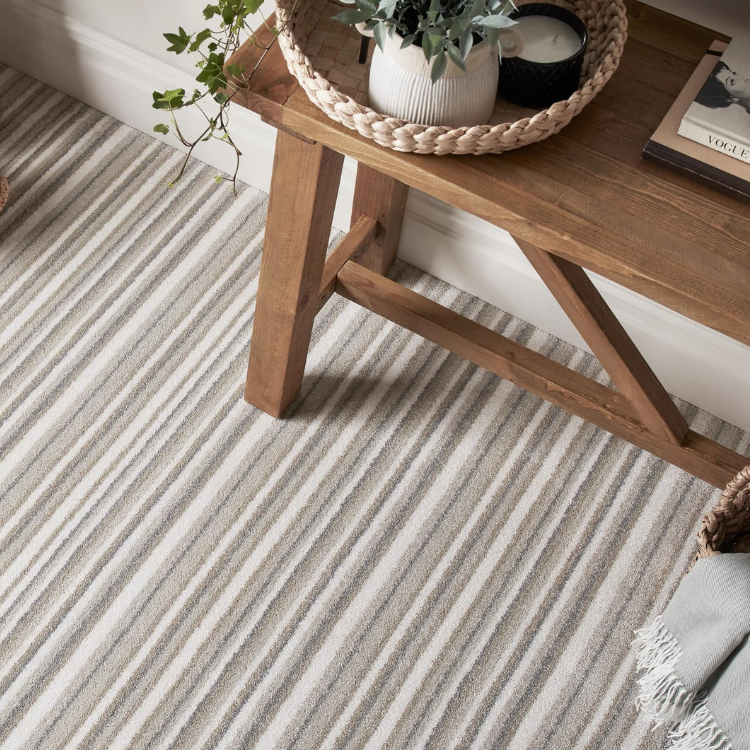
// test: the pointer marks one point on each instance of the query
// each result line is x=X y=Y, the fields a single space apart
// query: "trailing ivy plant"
x=211 y=48
x=445 y=29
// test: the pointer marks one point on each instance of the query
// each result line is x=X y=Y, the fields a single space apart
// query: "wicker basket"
x=3 y=192
x=726 y=528
x=332 y=89
x=3 y=189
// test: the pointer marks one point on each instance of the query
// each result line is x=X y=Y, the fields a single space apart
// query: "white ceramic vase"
x=400 y=86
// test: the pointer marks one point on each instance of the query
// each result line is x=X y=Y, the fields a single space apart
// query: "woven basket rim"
x=729 y=520
x=343 y=108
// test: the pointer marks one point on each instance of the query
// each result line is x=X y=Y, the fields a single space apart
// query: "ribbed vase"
x=400 y=86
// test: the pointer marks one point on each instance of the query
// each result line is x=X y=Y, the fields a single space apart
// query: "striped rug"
x=421 y=555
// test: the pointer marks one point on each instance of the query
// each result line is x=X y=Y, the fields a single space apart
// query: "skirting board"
x=450 y=244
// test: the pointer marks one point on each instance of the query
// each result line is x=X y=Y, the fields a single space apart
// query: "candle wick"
x=555 y=38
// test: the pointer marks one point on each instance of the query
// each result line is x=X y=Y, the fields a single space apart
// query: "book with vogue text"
x=719 y=116
x=699 y=162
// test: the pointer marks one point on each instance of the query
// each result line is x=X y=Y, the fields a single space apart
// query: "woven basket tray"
x=726 y=528
x=322 y=55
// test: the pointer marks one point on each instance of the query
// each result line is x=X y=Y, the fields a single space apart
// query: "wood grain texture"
x=271 y=84
x=609 y=342
x=356 y=241
x=300 y=213
x=633 y=225
x=384 y=199
x=602 y=406
x=586 y=194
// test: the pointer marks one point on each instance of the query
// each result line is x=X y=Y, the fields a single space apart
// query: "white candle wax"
x=547 y=40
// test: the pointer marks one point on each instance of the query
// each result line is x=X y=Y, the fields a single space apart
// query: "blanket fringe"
x=663 y=698
x=699 y=730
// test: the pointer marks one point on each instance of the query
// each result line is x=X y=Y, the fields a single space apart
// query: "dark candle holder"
x=538 y=85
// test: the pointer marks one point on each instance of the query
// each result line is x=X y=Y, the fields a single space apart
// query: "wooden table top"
x=584 y=194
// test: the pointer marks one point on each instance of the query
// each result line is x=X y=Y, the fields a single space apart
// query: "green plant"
x=445 y=29
x=211 y=48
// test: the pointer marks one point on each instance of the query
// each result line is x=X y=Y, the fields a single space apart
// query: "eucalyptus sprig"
x=211 y=48
x=445 y=29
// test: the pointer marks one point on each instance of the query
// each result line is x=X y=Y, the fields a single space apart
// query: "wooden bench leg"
x=384 y=199
x=609 y=342
x=304 y=187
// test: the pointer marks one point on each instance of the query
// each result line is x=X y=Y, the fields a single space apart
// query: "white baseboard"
x=699 y=365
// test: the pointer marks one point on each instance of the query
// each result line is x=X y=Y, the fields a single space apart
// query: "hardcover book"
x=720 y=115
x=689 y=158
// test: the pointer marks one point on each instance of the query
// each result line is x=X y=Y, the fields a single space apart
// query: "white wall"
x=112 y=55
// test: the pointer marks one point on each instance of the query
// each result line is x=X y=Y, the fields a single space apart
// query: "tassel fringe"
x=661 y=696
x=699 y=730
x=665 y=700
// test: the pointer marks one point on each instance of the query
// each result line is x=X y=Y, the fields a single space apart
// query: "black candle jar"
x=540 y=84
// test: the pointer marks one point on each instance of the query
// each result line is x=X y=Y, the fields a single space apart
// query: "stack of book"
x=706 y=133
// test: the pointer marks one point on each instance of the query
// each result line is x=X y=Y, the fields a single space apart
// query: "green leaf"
x=408 y=41
x=439 y=66
x=455 y=56
x=218 y=178
x=169 y=99
x=210 y=11
x=236 y=69
x=200 y=37
x=366 y=7
x=161 y=128
x=465 y=43
x=388 y=7
x=351 y=17
x=495 y=22
x=221 y=98
x=427 y=47
x=179 y=42
x=379 y=34
x=493 y=37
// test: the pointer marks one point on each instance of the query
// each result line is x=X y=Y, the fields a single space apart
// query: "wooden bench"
x=583 y=199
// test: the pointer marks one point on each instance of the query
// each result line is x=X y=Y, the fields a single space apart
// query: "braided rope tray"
x=322 y=55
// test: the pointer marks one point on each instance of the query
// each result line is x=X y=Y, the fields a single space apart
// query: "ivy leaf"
x=212 y=73
x=169 y=99
x=179 y=41
x=221 y=98
x=161 y=128
x=236 y=69
x=253 y=6
x=351 y=17
x=439 y=66
x=465 y=43
x=210 y=11
x=455 y=56
x=200 y=37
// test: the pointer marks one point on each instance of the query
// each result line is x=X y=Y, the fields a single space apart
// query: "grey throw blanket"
x=695 y=658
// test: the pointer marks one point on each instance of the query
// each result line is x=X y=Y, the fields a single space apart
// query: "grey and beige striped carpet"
x=421 y=555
